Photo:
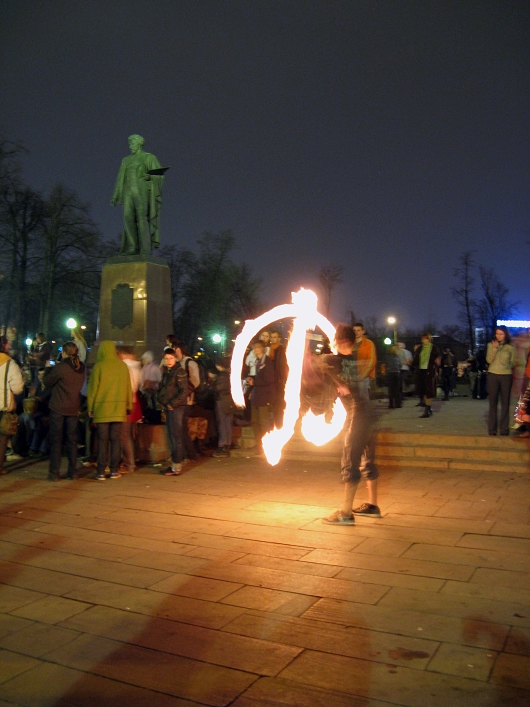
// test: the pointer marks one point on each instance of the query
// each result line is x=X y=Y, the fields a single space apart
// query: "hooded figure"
x=109 y=401
x=109 y=387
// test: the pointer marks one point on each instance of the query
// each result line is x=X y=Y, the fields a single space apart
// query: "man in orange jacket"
x=364 y=352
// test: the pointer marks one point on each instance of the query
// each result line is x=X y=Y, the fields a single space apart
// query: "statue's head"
x=135 y=143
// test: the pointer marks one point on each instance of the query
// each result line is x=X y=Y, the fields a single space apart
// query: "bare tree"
x=330 y=276
x=72 y=256
x=21 y=214
x=494 y=304
x=463 y=295
x=214 y=290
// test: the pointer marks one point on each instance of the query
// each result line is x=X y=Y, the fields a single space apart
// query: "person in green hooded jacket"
x=109 y=400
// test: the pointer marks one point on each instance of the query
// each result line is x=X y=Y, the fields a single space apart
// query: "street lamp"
x=393 y=322
x=217 y=338
x=71 y=323
x=387 y=341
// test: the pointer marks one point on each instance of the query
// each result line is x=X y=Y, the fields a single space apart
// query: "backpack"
x=204 y=394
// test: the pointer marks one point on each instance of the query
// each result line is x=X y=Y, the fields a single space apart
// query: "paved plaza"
x=223 y=587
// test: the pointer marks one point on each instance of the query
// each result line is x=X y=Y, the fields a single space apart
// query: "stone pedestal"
x=151 y=443
x=135 y=304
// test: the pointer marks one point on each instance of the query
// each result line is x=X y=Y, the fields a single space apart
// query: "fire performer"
x=358 y=451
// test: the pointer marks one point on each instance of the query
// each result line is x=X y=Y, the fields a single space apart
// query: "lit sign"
x=514 y=323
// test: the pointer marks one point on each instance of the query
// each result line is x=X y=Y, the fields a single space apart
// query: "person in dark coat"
x=263 y=394
x=66 y=380
x=224 y=407
x=393 y=376
x=425 y=364
x=173 y=396
x=281 y=370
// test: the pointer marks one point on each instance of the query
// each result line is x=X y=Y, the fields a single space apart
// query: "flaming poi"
x=315 y=429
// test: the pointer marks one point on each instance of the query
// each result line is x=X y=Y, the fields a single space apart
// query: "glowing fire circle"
x=315 y=429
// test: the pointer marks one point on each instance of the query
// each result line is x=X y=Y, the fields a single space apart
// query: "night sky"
x=386 y=137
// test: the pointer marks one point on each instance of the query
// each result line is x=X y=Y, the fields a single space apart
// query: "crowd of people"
x=49 y=405
x=58 y=405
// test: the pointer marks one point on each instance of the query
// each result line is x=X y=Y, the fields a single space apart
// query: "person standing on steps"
x=425 y=363
x=500 y=356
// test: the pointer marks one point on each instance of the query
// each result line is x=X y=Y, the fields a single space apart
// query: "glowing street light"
x=29 y=341
x=71 y=323
x=393 y=322
x=236 y=322
x=217 y=338
x=387 y=341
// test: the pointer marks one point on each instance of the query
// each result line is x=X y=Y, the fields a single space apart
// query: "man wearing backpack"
x=192 y=370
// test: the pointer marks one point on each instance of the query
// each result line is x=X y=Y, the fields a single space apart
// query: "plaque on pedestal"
x=135 y=304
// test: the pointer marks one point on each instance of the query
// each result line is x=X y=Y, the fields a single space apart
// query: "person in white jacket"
x=11 y=384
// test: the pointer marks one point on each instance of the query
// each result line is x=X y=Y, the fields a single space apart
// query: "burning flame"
x=317 y=431
x=314 y=427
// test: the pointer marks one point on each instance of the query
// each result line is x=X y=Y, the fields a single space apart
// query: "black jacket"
x=66 y=384
x=173 y=390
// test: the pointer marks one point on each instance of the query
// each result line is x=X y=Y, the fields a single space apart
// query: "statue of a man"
x=139 y=189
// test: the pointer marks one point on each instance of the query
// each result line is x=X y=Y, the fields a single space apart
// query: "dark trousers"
x=175 y=432
x=499 y=386
x=394 y=390
x=262 y=422
x=225 y=421
x=108 y=434
x=189 y=448
x=127 y=444
x=447 y=381
x=358 y=452
x=4 y=439
x=62 y=426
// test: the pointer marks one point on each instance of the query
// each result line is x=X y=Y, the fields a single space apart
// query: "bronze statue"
x=139 y=189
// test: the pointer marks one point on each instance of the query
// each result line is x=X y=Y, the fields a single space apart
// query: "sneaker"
x=173 y=470
x=100 y=477
x=115 y=475
x=338 y=518
x=367 y=509
x=221 y=452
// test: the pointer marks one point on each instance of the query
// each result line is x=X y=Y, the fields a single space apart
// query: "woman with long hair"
x=500 y=356
x=66 y=380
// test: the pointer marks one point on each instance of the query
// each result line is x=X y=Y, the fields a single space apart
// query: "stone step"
x=415 y=462
x=465 y=452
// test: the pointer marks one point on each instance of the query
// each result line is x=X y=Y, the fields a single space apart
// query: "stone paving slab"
x=252 y=654
x=395 y=683
x=52 y=685
x=223 y=587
